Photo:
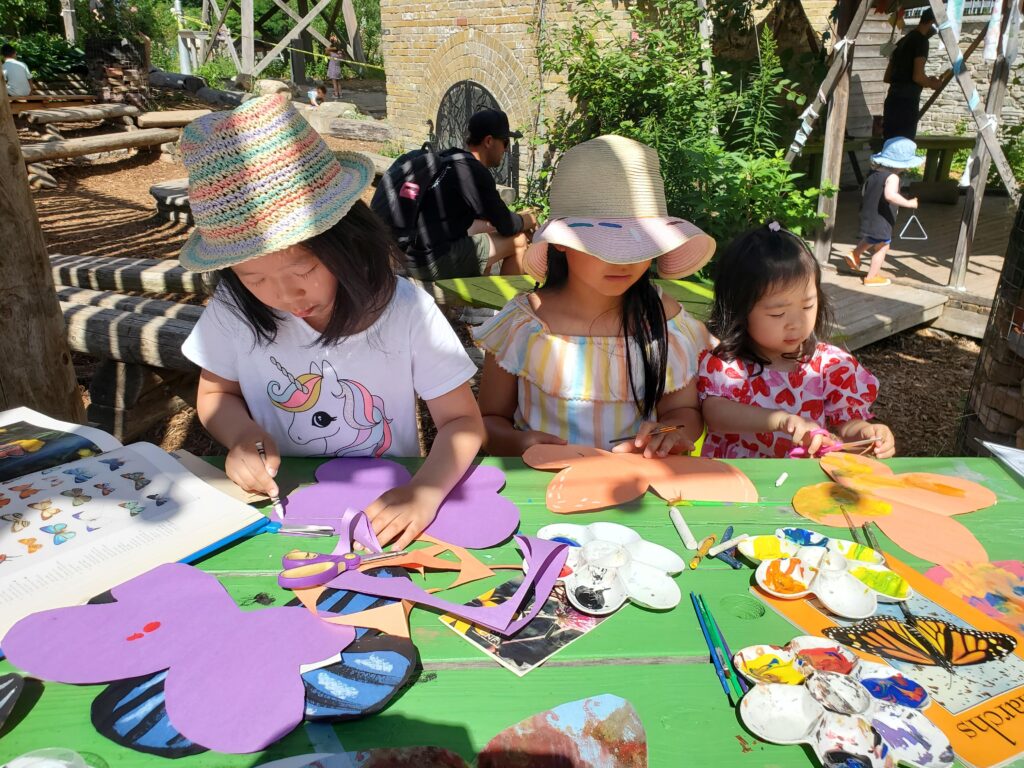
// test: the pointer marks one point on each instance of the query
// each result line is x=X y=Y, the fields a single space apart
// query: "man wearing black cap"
x=462 y=225
x=906 y=78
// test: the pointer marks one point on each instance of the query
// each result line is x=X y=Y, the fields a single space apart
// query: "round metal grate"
x=457 y=106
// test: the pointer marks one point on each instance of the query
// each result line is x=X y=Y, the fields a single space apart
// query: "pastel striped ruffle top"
x=577 y=387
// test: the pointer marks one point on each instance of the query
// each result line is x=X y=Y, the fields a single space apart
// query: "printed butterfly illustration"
x=4 y=501
x=77 y=496
x=925 y=641
x=46 y=509
x=25 y=490
x=80 y=475
x=159 y=499
x=9 y=450
x=133 y=507
x=105 y=488
x=55 y=482
x=50 y=471
x=114 y=464
x=17 y=521
x=32 y=544
x=59 y=531
x=140 y=479
x=88 y=517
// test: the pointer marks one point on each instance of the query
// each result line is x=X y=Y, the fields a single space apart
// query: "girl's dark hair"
x=643 y=322
x=359 y=252
x=757 y=262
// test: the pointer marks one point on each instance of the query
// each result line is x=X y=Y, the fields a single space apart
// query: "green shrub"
x=718 y=137
x=217 y=71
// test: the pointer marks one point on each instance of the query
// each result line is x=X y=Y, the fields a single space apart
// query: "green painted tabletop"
x=495 y=292
x=658 y=661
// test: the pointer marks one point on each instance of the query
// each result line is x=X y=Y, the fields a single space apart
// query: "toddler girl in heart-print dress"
x=770 y=384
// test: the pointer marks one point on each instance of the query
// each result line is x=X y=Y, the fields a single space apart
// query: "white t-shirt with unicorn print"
x=357 y=398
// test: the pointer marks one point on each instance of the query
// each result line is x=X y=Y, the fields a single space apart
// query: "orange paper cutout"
x=915 y=510
x=390 y=619
x=591 y=478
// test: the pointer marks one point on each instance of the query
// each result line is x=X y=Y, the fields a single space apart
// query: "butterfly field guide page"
x=103 y=514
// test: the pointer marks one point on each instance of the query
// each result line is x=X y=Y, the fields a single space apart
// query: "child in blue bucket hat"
x=880 y=197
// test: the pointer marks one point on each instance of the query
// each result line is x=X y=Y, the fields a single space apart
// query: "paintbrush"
x=712 y=649
x=274 y=500
x=658 y=431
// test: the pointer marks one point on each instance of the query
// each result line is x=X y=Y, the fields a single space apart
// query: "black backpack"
x=403 y=189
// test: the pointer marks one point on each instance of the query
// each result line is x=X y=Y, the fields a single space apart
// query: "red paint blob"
x=153 y=626
x=136 y=636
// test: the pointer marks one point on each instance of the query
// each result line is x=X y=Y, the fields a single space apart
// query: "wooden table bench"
x=21 y=104
x=656 y=660
x=939 y=153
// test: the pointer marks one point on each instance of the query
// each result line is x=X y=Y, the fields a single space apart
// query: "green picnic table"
x=657 y=661
x=495 y=292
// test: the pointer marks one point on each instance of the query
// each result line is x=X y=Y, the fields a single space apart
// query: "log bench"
x=45 y=119
x=62 y=149
x=142 y=376
x=21 y=104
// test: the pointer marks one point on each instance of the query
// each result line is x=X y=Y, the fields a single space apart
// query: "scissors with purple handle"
x=313 y=569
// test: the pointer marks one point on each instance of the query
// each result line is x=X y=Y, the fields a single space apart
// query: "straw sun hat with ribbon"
x=260 y=179
x=608 y=200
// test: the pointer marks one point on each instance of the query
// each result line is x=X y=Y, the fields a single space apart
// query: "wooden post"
x=284 y=42
x=248 y=60
x=37 y=369
x=980 y=162
x=352 y=30
x=967 y=54
x=67 y=10
x=304 y=43
x=832 y=164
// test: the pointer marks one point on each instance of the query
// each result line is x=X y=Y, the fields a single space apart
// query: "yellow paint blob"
x=859 y=552
x=770 y=668
x=885 y=582
x=816 y=502
x=767 y=547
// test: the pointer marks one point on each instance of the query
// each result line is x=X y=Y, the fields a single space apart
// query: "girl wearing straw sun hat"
x=311 y=346
x=597 y=353
x=879 y=199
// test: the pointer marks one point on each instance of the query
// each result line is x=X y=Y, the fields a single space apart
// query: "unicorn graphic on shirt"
x=342 y=413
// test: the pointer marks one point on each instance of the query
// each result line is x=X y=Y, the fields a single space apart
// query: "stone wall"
x=949 y=113
x=432 y=45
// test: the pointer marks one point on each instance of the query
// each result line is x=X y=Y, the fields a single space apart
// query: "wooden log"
x=139 y=304
x=363 y=130
x=87 y=145
x=175 y=118
x=80 y=114
x=130 y=337
x=138 y=275
x=37 y=371
x=158 y=78
x=218 y=98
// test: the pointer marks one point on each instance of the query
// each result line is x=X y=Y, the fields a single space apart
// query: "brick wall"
x=949 y=112
x=430 y=46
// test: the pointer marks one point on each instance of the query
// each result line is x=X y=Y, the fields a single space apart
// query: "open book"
x=80 y=513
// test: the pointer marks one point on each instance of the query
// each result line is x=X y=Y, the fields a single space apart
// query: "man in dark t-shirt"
x=467 y=225
x=906 y=78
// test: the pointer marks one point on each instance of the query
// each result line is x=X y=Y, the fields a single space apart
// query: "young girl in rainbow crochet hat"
x=598 y=353
x=311 y=346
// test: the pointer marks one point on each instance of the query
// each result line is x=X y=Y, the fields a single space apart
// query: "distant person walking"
x=906 y=78
x=19 y=79
x=334 y=59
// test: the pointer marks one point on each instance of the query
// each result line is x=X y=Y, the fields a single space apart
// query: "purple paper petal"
x=544 y=561
x=234 y=683
x=473 y=515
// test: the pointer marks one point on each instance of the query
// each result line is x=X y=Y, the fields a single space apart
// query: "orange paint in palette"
x=781 y=576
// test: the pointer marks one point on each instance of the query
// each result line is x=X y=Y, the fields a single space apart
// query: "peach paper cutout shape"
x=941 y=494
x=921 y=506
x=590 y=478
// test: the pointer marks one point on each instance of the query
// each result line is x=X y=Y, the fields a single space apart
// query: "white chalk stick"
x=726 y=545
x=689 y=541
x=782 y=478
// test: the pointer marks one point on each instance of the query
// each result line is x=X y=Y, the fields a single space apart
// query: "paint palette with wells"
x=802 y=657
x=843 y=725
x=848 y=579
x=608 y=564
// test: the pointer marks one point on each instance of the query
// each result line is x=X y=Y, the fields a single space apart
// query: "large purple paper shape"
x=178 y=618
x=473 y=515
x=544 y=561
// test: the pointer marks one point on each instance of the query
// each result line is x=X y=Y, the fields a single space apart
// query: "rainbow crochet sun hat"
x=608 y=199
x=261 y=179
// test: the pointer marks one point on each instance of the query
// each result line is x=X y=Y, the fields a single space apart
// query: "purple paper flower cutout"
x=178 y=618
x=473 y=515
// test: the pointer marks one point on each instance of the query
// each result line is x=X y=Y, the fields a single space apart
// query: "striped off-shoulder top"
x=577 y=387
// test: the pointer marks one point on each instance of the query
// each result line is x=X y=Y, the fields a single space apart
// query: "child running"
x=598 y=353
x=880 y=198
x=770 y=384
x=311 y=344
